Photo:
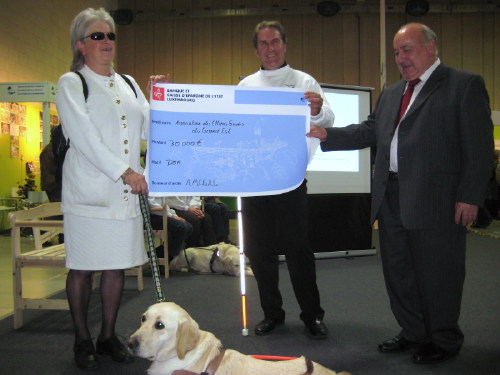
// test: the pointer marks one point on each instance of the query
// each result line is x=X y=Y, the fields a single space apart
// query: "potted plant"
x=29 y=185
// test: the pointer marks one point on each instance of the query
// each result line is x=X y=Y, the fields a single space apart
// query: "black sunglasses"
x=99 y=35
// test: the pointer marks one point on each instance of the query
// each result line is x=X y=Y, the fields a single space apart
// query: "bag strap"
x=126 y=79
x=84 y=86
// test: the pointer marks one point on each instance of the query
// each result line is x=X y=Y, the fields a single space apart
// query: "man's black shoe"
x=114 y=348
x=85 y=356
x=395 y=345
x=431 y=353
x=316 y=329
x=266 y=326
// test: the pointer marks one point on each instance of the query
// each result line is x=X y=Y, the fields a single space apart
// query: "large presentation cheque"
x=213 y=140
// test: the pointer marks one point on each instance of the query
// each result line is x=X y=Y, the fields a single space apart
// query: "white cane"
x=241 y=243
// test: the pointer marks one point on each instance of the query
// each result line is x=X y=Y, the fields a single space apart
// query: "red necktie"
x=407 y=98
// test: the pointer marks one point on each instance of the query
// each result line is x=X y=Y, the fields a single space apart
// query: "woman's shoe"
x=114 y=348
x=85 y=356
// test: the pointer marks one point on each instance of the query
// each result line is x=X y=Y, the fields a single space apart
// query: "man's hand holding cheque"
x=317 y=132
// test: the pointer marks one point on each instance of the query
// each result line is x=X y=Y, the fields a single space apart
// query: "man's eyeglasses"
x=99 y=35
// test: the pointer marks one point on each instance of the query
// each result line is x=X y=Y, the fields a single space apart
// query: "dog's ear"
x=188 y=334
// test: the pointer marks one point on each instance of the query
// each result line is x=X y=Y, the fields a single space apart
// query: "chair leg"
x=140 y=279
x=166 y=265
x=18 y=296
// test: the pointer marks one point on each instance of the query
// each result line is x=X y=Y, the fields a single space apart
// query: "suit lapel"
x=430 y=86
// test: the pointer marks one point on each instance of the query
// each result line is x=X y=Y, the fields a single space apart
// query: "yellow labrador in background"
x=172 y=340
x=220 y=258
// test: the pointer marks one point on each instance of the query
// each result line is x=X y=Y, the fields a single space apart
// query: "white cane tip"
x=244 y=331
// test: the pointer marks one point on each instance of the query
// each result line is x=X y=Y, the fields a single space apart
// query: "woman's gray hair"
x=268 y=24
x=79 y=28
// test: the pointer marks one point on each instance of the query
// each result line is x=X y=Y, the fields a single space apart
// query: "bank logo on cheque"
x=158 y=93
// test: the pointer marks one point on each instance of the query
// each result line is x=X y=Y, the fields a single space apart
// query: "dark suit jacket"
x=445 y=146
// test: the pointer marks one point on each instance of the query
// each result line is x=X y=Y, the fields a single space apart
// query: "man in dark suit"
x=431 y=173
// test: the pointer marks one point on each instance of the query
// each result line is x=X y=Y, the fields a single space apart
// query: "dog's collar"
x=309 y=366
x=210 y=370
x=214 y=364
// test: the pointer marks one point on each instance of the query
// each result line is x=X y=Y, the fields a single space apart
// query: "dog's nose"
x=132 y=343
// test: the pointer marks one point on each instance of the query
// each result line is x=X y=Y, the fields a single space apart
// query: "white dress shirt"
x=418 y=87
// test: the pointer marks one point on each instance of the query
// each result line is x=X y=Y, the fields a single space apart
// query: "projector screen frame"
x=327 y=205
x=343 y=181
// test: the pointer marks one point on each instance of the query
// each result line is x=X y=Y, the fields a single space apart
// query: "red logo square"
x=158 y=93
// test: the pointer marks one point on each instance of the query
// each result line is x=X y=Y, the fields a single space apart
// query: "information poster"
x=213 y=140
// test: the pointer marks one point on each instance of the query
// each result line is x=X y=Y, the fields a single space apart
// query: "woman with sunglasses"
x=101 y=179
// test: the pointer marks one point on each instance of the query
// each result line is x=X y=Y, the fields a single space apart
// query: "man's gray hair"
x=79 y=28
x=429 y=35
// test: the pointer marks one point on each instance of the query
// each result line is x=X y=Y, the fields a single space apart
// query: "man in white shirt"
x=189 y=208
x=277 y=224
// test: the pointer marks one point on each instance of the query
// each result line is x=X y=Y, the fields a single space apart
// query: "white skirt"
x=103 y=244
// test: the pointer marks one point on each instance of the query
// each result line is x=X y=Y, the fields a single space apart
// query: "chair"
x=38 y=219
x=43 y=235
x=52 y=256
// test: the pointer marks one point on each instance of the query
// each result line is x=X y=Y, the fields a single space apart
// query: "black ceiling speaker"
x=122 y=16
x=417 y=8
x=328 y=8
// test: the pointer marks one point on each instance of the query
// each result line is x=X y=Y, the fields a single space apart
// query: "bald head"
x=415 y=50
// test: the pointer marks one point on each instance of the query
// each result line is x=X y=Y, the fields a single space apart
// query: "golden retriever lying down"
x=220 y=258
x=172 y=340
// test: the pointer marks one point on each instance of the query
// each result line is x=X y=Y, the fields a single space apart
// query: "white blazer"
x=105 y=134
